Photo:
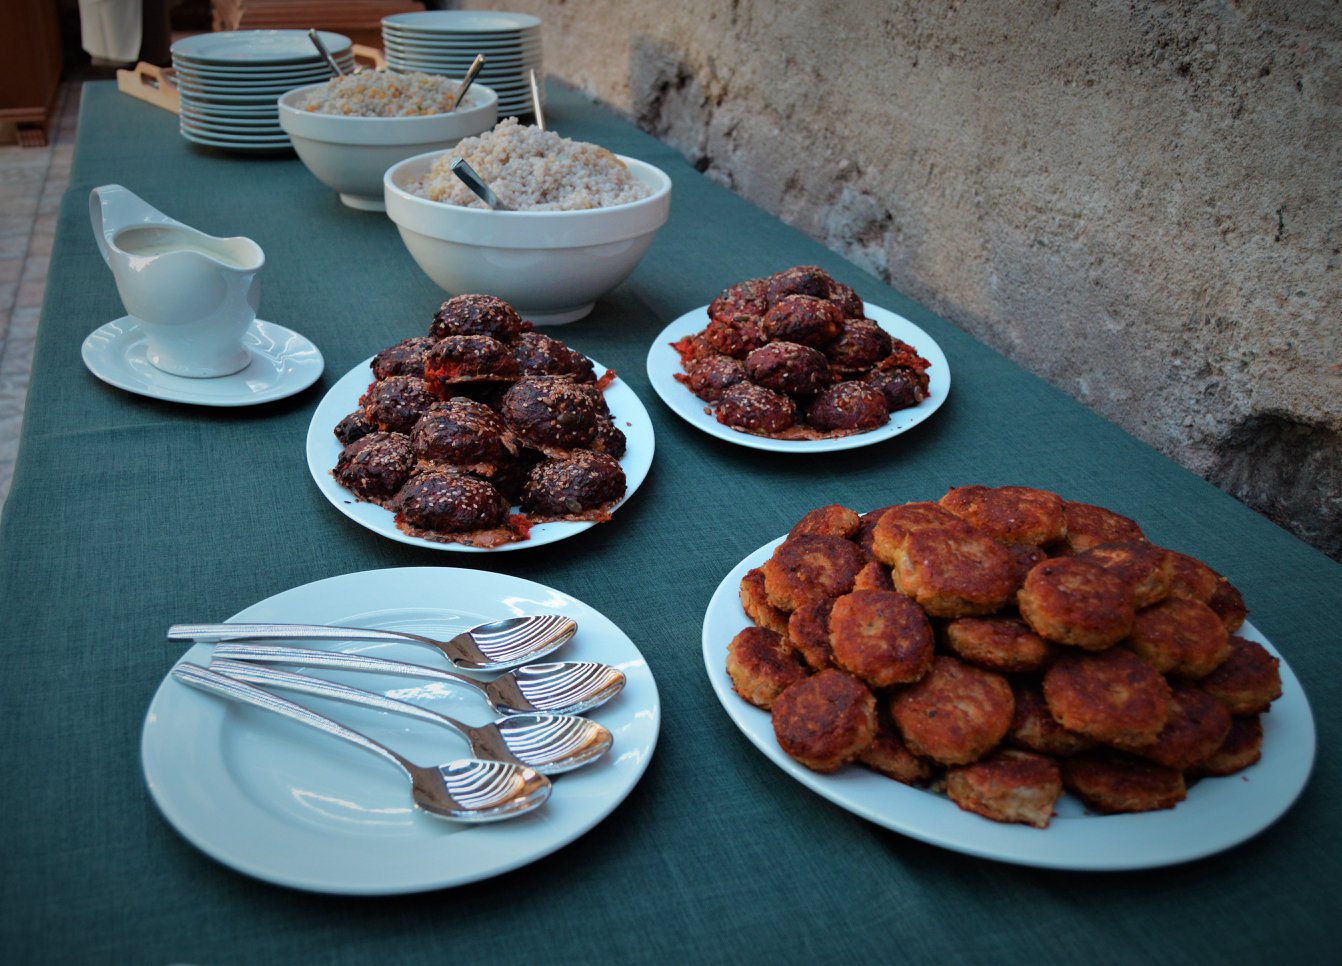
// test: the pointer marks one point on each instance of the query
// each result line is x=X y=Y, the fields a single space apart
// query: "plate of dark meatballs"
x=1011 y=675
x=797 y=362
x=481 y=435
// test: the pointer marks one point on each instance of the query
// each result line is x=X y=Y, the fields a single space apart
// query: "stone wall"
x=1140 y=201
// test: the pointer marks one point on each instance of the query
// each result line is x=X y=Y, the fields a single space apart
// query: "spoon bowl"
x=570 y=687
x=495 y=646
x=465 y=790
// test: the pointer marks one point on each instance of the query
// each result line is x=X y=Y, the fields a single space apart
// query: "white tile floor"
x=32 y=181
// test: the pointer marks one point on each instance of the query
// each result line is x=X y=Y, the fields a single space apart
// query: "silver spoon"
x=536 y=101
x=550 y=743
x=568 y=688
x=467 y=176
x=468 y=790
x=326 y=54
x=471 y=73
x=495 y=646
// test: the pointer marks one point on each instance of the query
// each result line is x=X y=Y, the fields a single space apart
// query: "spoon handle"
x=467 y=176
x=340 y=660
x=471 y=73
x=288 y=632
x=319 y=687
x=227 y=687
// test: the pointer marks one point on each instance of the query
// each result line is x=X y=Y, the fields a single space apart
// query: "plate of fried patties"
x=1012 y=675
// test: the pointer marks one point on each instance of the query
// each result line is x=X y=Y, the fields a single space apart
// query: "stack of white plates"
x=229 y=83
x=446 y=41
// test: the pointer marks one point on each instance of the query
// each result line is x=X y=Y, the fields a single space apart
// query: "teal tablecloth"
x=128 y=514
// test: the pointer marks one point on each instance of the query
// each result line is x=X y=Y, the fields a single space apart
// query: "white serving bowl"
x=551 y=266
x=350 y=154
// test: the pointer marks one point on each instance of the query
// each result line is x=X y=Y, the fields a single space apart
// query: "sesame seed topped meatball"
x=460 y=432
x=809 y=280
x=405 y=358
x=736 y=336
x=755 y=409
x=538 y=354
x=802 y=318
x=861 y=344
x=444 y=502
x=848 y=407
x=467 y=358
x=581 y=485
x=901 y=386
x=353 y=426
x=395 y=404
x=553 y=412
x=788 y=367
x=375 y=466
x=477 y=315
x=746 y=298
x=710 y=377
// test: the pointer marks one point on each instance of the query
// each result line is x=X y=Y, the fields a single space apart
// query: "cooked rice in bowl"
x=533 y=170
x=383 y=94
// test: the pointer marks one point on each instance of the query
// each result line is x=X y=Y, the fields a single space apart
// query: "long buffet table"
x=128 y=514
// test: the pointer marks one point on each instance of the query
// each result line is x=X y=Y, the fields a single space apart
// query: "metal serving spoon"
x=495 y=646
x=467 y=176
x=568 y=688
x=471 y=73
x=326 y=54
x=468 y=790
x=536 y=101
x=550 y=743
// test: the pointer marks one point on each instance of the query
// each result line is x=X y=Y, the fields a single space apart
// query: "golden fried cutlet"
x=1180 y=637
x=1192 y=578
x=762 y=666
x=832 y=520
x=825 y=721
x=1247 y=681
x=1005 y=644
x=1145 y=568
x=1077 y=602
x=953 y=571
x=808 y=632
x=1228 y=604
x=1111 y=696
x=897 y=522
x=1243 y=747
x=1111 y=782
x=1034 y=728
x=755 y=602
x=1089 y=525
x=880 y=636
x=809 y=566
x=1197 y=727
x=1012 y=514
x=874 y=576
x=956 y=714
x=1008 y=786
x=889 y=755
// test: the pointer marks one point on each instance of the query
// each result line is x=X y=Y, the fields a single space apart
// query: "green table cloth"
x=128 y=514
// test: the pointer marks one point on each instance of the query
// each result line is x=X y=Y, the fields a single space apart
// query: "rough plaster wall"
x=1137 y=200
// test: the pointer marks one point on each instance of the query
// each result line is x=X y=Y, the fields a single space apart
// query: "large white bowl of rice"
x=580 y=219
x=351 y=129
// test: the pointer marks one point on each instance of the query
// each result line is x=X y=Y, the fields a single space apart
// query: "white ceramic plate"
x=1219 y=812
x=664 y=363
x=289 y=805
x=283 y=363
x=233 y=47
x=343 y=398
x=434 y=22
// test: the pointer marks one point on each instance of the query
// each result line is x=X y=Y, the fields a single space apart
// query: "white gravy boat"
x=191 y=294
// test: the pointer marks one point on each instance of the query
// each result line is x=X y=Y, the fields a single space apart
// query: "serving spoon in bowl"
x=467 y=789
x=550 y=743
x=495 y=646
x=571 y=687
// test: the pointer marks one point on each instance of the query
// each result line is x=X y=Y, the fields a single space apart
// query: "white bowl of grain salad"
x=351 y=129
x=582 y=219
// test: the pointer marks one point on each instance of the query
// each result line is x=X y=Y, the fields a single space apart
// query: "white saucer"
x=283 y=363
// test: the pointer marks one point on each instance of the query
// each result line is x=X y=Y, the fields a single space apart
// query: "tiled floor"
x=32 y=181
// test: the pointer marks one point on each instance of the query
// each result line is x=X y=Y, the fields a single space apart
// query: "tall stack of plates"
x=229 y=83
x=446 y=41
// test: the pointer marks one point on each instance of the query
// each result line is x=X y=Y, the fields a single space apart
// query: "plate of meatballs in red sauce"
x=481 y=435
x=798 y=363
x=1014 y=676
